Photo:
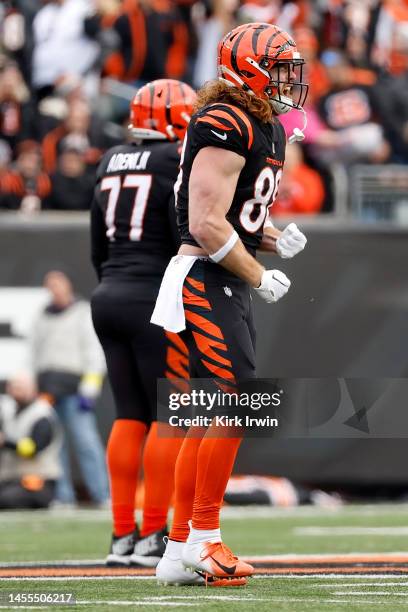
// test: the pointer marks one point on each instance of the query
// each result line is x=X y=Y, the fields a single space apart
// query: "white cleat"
x=171 y=571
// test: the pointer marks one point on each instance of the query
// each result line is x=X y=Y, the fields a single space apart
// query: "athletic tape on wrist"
x=224 y=250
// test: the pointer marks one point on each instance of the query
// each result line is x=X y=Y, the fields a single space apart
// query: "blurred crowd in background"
x=68 y=69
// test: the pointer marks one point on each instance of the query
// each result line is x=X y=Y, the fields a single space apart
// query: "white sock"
x=203 y=535
x=173 y=549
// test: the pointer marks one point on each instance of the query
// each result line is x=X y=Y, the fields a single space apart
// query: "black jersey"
x=133 y=226
x=263 y=147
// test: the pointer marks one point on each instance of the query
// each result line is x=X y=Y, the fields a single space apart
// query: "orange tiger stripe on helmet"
x=161 y=110
x=247 y=55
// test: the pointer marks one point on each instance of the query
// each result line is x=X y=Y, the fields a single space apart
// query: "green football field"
x=355 y=537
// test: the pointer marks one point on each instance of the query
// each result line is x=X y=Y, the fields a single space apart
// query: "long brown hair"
x=217 y=91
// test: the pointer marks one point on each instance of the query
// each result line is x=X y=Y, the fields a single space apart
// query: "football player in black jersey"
x=232 y=162
x=133 y=235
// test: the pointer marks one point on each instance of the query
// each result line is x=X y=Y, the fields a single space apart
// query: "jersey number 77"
x=142 y=184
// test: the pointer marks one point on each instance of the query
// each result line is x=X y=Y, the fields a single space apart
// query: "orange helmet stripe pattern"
x=247 y=55
x=162 y=107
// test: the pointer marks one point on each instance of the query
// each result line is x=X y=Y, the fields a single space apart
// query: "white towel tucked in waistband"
x=169 y=310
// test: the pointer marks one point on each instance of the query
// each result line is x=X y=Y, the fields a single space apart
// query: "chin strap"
x=298 y=134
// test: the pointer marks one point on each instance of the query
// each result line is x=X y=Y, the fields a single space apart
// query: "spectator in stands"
x=315 y=72
x=70 y=366
x=286 y=15
x=356 y=22
x=72 y=184
x=390 y=49
x=17 y=111
x=30 y=442
x=68 y=43
x=16 y=32
x=105 y=12
x=221 y=18
x=99 y=25
x=53 y=109
x=392 y=102
x=349 y=110
x=25 y=186
x=153 y=42
x=61 y=45
x=301 y=190
x=81 y=125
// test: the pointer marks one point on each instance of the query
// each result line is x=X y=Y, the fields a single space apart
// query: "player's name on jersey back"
x=128 y=161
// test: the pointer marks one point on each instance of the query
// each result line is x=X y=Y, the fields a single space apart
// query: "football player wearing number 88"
x=232 y=162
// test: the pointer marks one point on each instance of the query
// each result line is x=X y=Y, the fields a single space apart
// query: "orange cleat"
x=216 y=561
x=212 y=581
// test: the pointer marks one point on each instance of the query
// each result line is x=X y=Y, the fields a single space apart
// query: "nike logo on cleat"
x=221 y=136
x=228 y=570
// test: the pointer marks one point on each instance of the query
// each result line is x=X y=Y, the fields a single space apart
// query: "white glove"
x=290 y=242
x=274 y=285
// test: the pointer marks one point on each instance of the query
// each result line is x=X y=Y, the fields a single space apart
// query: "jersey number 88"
x=265 y=191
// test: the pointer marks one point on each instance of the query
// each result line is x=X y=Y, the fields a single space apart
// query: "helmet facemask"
x=286 y=89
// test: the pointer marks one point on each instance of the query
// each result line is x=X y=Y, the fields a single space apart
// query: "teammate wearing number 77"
x=232 y=162
x=133 y=236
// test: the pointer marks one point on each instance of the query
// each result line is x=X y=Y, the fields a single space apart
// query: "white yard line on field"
x=333 y=576
x=371 y=593
x=71 y=578
x=210 y=597
x=307 y=577
x=356 y=584
x=61 y=562
x=171 y=604
x=255 y=558
x=144 y=602
x=25 y=607
x=326 y=556
x=373 y=602
x=350 y=531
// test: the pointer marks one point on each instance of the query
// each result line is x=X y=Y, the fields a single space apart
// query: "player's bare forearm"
x=242 y=264
x=212 y=186
x=215 y=232
x=270 y=236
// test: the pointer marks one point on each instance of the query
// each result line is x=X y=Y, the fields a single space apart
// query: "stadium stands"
x=68 y=90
